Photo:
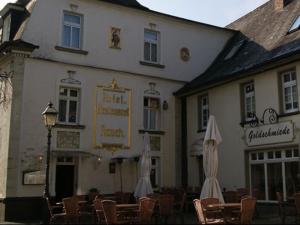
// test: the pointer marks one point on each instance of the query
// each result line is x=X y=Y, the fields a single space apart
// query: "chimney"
x=280 y=4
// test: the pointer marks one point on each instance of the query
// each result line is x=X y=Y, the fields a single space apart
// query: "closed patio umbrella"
x=211 y=187
x=144 y=186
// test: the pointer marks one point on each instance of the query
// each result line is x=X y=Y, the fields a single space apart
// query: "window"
x=234 y=50
x=249 y=101
x=151 y=113
x=274 y=170
x=68 y=105
x=203 y=111
x=295 y=25
x=155 y=172
x=151 y=46
x=290 y=92
x=72 y=31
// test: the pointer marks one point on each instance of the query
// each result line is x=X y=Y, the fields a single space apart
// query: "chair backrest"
x=207 y=201
x=123 y=197
x=247 y=210
x=49 y=207
x=110 y=211
x=166 y=204
x=70 y=206
x=231 y=196
x=297 y=201
x=199 y=211
x=98 y=204
x=146 y=207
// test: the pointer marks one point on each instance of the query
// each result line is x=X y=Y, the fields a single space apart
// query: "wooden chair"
x=247 y=211
x=166 y=204
x=201 y=216
x=179 y=206
x=231 y=197
x=110 y=213
x=55 y=218
x=71 y=210
x=297 y=204
x=146 y=208
x=99 y=212
x=285 y=208
x=217 y=213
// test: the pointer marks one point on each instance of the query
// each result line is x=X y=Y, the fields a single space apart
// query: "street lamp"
x=50 y=117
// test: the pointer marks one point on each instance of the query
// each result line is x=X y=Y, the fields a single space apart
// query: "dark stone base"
x=20 y=209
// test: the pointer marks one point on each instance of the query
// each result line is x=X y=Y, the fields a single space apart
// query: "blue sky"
x=216 y=12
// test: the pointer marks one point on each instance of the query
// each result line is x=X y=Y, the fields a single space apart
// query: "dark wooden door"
x=64 y=184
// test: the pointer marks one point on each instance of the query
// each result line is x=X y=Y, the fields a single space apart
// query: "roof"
x=128 y=3
x=265 y=37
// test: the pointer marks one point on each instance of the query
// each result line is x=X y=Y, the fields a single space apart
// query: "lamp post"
x=50 y=117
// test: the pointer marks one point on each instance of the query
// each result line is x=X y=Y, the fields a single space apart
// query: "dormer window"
x=296 y=25
x=234 y=50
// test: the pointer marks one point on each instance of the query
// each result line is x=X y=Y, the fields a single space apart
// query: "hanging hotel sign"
x=270 y=132
x=112 y=126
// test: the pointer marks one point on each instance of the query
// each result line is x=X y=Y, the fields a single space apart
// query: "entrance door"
x=64 y=185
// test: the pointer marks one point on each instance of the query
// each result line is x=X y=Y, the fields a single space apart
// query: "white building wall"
x=225 y=105
x=204 y=42
x=42 y=79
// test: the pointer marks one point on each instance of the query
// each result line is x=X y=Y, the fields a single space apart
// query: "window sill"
x=201 y=131
x=71 y=50
x=144 y=63
x=152 y=132
x=69 y=126
x=289 y=114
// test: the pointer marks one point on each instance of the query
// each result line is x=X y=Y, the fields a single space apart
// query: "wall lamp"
x=165 y=105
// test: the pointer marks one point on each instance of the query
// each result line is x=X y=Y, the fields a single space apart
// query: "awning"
x=197 y=147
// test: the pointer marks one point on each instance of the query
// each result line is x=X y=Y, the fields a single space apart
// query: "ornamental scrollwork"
x=270 y=116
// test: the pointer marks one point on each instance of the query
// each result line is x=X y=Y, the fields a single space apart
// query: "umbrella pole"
x=121 y=178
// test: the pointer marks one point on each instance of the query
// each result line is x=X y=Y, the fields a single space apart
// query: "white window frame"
x=72 y=25
x=149 y=109
x=202 y=107
x=152 y=42
x=157 y=169
x=290 y=84
x=69 y=98
x=265 y=161
x=249 y=95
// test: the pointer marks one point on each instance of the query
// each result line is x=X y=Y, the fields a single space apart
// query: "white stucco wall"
x=224 y=104
x=204 y=42
x=41 y=84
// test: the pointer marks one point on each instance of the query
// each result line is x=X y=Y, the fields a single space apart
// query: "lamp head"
x=50 y=115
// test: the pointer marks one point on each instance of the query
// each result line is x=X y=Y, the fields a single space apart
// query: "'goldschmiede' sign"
x=112 y=125
x=270 y=134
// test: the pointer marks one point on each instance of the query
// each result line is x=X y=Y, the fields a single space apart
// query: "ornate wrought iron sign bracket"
x=270 y=116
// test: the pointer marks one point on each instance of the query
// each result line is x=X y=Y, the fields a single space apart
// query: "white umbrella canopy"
x=144 y=186
x=211 y=187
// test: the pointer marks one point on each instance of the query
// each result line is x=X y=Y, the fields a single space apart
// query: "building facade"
x=253 y=91
x=110 y=68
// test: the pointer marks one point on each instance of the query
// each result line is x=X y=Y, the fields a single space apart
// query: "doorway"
x=64 y=182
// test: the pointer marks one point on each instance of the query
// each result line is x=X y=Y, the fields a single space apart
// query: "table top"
x=127 y=205
x=224 y=205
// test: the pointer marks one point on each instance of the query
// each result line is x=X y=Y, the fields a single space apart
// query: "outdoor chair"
x=242 y=192
x=201 y=216
x=110 y=213
x=55 y=218
x=146 y=209
x=165 y=205
x=217 y=213
x=285 y=208
x=179 y=205
x=246 y=212
x=297 y=204
x=99 y=213
x=231 y=197
x=71 y=210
